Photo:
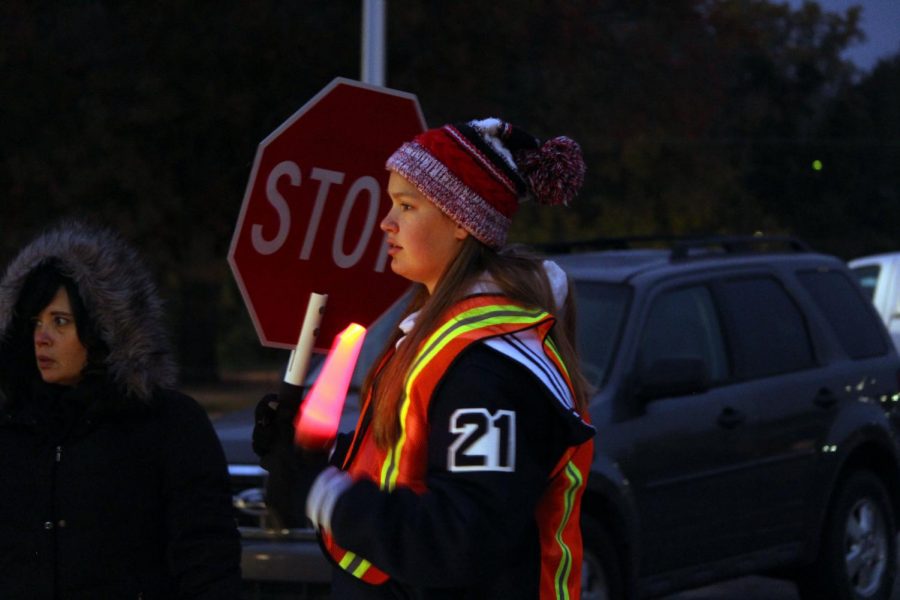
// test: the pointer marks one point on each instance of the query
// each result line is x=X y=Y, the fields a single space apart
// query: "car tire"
x=859 y=549
x=601 y=572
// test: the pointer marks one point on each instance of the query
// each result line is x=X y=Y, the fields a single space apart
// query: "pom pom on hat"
x=554 y=172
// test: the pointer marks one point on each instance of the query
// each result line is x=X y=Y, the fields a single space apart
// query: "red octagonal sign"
x=309 y=221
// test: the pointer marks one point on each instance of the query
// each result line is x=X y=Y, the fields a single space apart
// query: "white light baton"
x=298 y=363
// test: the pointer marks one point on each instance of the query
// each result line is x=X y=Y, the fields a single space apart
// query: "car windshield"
x=601 y=312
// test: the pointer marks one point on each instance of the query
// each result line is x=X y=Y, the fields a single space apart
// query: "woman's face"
x=60 y=354
x=422 y=240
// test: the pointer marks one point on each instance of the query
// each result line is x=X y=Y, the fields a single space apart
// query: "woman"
x=114 y=485
x=465 y=474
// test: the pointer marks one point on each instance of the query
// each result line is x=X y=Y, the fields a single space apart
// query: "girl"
x=465 y=474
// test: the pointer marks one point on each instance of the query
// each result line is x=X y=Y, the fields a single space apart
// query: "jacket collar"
x=96 y=399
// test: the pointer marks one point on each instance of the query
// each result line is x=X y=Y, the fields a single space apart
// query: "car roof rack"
x=737 y=244
x=684 y=246
x=612 y=243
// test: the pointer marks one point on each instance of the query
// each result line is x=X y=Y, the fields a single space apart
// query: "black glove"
x=274 y=418
x=264 y=432
x=291 y=469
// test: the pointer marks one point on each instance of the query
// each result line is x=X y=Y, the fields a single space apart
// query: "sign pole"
x=373 y=45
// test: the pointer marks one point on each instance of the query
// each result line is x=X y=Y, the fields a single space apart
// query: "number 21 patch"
x=484 y=441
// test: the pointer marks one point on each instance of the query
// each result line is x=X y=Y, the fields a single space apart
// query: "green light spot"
x=817 y=165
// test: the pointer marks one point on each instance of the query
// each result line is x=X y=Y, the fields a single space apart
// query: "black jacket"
x=110 y=500
x=116 y=487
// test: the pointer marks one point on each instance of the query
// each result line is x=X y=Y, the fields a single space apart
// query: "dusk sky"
x=881 y=23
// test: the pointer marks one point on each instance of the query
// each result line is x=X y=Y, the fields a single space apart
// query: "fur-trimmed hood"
x=118 y=293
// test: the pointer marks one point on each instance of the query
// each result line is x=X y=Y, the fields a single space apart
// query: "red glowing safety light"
x=316 y=424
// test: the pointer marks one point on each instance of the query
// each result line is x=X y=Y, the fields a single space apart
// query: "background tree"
x=852 y=204
x=695 y=116
x=146 y=116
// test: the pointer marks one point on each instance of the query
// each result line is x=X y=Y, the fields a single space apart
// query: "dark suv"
x=747 y=419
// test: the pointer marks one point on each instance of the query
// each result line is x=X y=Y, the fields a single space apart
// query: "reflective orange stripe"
x=353 y=563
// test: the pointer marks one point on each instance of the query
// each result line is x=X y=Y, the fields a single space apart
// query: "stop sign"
x=309 y=220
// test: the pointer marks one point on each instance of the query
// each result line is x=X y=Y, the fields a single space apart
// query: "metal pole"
x=374 y=24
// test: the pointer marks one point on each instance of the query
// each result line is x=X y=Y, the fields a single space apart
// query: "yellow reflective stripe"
x=474 y=318
x=346 y=560
x=560 y=364
x=394 y=456
x=549 y=343
x=564 y=570
x=360 y=570
x=386 y=467
x=466 y=321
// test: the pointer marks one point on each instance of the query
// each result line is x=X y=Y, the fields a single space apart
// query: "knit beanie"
x=478 y=172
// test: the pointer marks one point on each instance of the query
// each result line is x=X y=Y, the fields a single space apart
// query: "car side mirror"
x=672 y=377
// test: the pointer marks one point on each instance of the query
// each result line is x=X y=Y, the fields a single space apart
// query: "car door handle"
x=730 y=418
x=825 y=398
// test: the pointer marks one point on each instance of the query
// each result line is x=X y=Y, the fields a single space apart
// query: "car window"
x=770 y=335
x=868 y=278
x=683 y=323
x=857 y=327
x=601 y=312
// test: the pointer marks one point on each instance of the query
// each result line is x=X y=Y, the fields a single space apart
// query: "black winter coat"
x=114 y=500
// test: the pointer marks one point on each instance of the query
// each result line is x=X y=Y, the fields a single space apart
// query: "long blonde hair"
x=519 y=276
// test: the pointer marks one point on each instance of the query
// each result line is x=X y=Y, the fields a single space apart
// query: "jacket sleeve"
x=494 y=440
x=203 y=544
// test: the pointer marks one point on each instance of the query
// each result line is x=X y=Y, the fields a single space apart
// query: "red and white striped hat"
x=478 y=172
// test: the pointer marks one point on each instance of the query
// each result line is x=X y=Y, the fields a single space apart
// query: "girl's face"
x=59 y=353
x=422 y=240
